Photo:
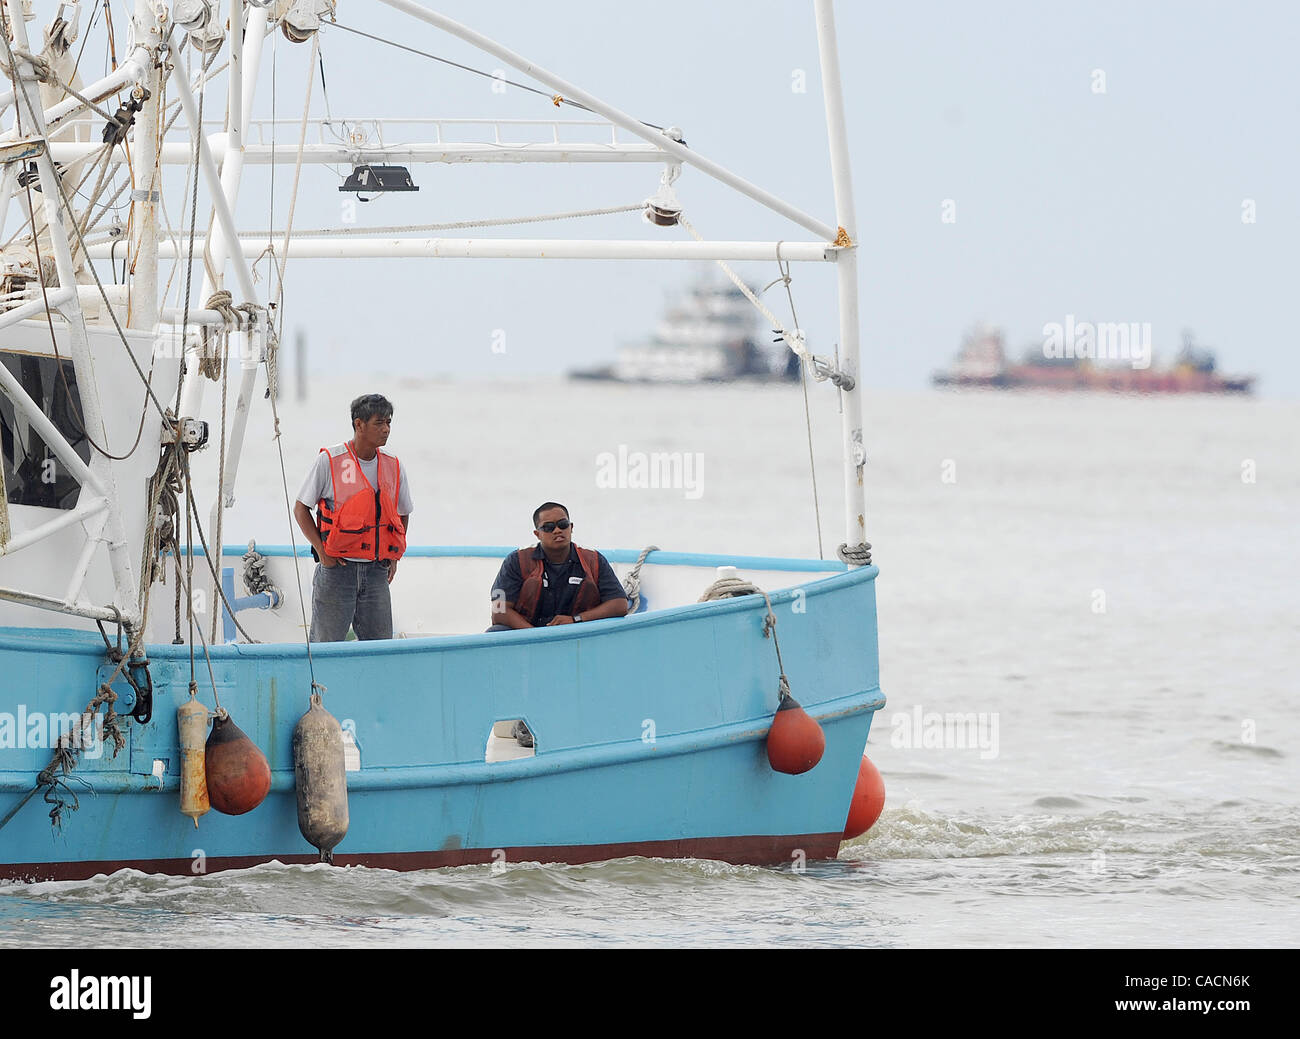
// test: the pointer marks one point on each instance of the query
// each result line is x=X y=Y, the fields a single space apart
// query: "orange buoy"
x=795 y=743
x=868 y=800
x=239 y=777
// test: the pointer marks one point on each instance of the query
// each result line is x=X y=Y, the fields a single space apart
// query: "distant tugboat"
x=711 y=335
x=982 y=363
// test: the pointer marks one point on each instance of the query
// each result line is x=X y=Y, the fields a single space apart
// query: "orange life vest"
x=364 y=522
x=533 y=570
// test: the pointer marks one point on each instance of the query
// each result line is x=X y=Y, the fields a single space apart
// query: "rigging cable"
x=273 y=338
x=554 y=98
x=784 y=267
x=459 y=225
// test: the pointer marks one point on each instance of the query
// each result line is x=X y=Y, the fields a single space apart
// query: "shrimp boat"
x=129 y=349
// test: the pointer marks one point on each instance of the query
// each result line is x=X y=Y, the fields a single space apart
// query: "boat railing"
x=368 y=132
x=446 y=590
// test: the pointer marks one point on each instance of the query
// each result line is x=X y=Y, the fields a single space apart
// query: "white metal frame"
x=222 y=157
x=97 y=476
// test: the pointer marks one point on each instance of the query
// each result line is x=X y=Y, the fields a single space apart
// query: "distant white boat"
x=711 y=334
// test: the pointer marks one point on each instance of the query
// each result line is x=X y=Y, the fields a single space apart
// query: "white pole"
x=131 y=71
x=855 y=502
x=23 y=311
x=213 y=178
x=251 y=349
x=143 y=309
x=49 y=432
x=46 y=602
x=243 y=84
x=94 y=530
x=180 y=153
x=349 y=247
x=631 y=125
x=84 y=510
x=224 y=222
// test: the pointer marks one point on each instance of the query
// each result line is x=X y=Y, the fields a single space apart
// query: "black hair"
x=368 y=405
x=547 y=505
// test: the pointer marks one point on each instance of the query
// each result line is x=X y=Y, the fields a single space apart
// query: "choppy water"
x=1110 y=585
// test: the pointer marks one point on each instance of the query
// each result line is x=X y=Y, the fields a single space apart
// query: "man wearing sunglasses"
x=554 y=582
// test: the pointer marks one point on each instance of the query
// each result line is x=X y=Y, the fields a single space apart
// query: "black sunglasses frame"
x=550 y=526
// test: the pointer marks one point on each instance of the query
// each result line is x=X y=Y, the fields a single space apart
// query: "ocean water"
x=1089 y=630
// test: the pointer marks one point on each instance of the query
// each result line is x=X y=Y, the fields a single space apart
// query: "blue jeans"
x=355 y=594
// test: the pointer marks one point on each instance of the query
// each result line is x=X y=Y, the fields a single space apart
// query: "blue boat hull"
x=650 y=741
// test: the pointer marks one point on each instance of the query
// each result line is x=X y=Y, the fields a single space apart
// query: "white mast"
x=147 y=176
x=855 y=502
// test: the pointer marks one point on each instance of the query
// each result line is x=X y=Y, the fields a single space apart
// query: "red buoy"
x=868 y=800
x=239 y=777
x=795 y=743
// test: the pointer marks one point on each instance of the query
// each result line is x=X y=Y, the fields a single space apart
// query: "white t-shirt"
x=319 y=485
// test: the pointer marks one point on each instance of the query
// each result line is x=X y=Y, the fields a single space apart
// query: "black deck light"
x=376 y=180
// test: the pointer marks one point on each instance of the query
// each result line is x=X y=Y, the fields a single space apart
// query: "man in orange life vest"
x=363 y=500
x=555 y=582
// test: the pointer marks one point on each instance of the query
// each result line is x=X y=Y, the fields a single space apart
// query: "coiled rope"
x=632 y=583
x=733 y=587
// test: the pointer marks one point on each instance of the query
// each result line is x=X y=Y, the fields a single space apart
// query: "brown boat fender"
x=238 y=775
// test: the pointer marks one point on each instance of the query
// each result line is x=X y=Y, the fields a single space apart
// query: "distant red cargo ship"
x=982 y=363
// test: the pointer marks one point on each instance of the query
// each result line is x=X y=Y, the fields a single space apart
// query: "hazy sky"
x=1123 y=205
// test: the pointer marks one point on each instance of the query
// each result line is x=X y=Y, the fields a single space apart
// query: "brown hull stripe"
x=740 y=851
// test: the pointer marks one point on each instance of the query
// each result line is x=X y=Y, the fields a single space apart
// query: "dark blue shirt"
x=559 y=584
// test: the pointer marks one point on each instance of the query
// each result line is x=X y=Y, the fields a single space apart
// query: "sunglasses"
x=550 y=527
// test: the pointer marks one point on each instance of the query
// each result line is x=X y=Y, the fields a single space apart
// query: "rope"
x=732 y=587
x=459 y=225
x=64 y=760
x=256 y=579
x=221 y=481
x=283 y=261
x=856 y=555
x=20 y=85
x=273 y=352
x=784 y=267
x=554 y=98
x=794 y=339
x=211 y=363
x=45 y=277
x=273 y=367
x=632 y=583
x=208 y=557
x=44 y=72
x=162 y=525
